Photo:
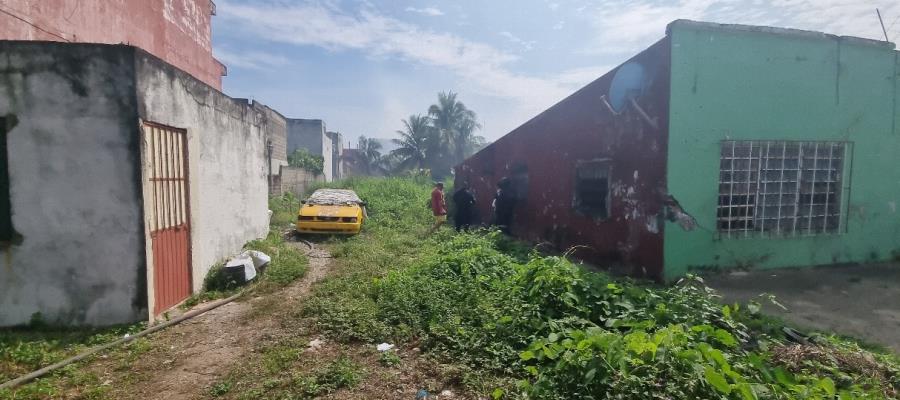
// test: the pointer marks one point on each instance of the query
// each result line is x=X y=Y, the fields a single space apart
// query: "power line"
x=32 y=24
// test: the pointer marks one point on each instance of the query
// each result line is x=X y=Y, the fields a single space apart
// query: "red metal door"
x=168 y=216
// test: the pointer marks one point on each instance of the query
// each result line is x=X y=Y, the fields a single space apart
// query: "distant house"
x=122 y=181
x=720 y=146
x=310 y=134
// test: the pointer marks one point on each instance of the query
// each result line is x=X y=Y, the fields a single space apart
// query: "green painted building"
x=720 y=146
x=783 y=146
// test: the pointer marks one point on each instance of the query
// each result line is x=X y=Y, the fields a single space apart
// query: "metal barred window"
x=781 y=188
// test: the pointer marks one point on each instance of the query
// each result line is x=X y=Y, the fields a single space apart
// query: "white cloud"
x=429 y=11
x=526 y=44
x=553 y=6
x=479 y=67
x=625 y=26
x=250 y=59
x=559 y=25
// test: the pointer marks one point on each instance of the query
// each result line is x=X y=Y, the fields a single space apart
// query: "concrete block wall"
x=74 y=168
x=298 y=180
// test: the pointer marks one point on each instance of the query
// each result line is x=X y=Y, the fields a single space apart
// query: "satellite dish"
x=628 y=83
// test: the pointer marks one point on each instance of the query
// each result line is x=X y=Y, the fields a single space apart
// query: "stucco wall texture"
x=782 y=85
x=75 y=185
x=177 y=31
x=227 y=159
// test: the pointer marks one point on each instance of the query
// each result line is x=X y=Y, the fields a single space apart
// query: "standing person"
x=464 y=201
x=504 y=204
x=438 y=206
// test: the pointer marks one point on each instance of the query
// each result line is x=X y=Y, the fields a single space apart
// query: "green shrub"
x=492 y=304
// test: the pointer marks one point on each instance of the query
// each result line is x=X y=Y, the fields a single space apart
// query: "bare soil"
x=186 y=359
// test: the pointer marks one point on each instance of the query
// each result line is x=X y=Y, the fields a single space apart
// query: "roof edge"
x=800 y=33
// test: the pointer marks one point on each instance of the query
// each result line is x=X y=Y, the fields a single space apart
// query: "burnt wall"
x=596 y=124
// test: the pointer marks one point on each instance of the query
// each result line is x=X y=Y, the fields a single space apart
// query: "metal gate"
x=168 y=214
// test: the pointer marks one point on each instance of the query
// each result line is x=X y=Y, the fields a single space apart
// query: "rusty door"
x=167 y=213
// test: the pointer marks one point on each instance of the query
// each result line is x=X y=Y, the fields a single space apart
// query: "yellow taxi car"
x=331 y=211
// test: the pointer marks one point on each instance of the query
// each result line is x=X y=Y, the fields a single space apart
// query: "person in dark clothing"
x=464 y=201
x=504 y=205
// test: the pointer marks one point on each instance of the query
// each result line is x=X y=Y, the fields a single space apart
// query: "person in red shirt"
x=438 y=206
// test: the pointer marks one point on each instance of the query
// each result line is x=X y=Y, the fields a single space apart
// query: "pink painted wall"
x=177 y=31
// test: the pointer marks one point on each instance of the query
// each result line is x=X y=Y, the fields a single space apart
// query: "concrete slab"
x=862 y=301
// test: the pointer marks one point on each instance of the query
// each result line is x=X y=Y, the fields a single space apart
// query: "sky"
x=363 y=66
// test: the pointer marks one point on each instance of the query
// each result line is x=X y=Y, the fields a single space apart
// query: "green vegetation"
x=27 y=349
x=303 y=158
x=284 y=210
x=543 y=327
x=30 y=348
x=434 y=142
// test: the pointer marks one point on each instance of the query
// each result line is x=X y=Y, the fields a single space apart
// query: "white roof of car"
x=333 y=197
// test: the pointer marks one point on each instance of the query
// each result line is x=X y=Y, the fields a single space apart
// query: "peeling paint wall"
x=769 y=84
x=178 y=31
x=544 y=153
x=75 y=185
x=227 y=159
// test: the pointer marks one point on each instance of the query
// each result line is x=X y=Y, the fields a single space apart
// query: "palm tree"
x=370 y=154
x=454 y=131
x=413 y=142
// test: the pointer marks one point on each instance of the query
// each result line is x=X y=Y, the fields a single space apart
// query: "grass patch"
x=284 y=210
x=558 y=330
x=23 y=350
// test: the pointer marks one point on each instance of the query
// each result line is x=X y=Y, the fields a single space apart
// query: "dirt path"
x=186 y=359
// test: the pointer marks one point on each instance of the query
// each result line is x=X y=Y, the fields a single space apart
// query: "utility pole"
x=877 y=11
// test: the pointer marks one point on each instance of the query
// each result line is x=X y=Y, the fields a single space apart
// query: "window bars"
x=781 y=188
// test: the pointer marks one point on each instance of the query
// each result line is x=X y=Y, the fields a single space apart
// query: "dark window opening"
x=592 y=188
x=6 y=229
x=520 y=182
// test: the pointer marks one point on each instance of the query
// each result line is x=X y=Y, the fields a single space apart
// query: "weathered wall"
x=310 y=134
x=780 y=85
x=75 y=185
x=178 y=31
x=337 y=154
x=298 y=180
x=275 y=126
x=582 y=127
x=227 y=159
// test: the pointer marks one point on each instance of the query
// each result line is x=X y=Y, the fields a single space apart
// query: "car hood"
x=329 y=211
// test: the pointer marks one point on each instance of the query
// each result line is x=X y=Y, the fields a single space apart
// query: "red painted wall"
x=582 y=127
x=177 y=31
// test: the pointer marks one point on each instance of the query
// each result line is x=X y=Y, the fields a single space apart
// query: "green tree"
x=369 y=155
x=413 y=142
x=454 y=136
x=302 y=158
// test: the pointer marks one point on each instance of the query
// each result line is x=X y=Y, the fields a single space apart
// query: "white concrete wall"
x=227 y=159
x=75 y=190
